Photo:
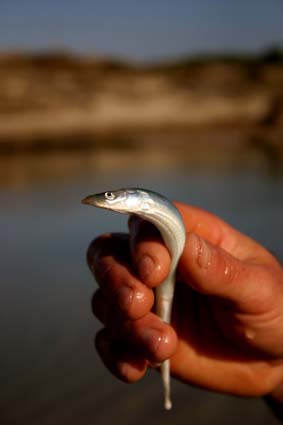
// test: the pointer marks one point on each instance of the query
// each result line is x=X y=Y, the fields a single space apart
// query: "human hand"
x=227 y=321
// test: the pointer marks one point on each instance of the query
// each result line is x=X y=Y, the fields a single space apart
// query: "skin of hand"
x=227 y=320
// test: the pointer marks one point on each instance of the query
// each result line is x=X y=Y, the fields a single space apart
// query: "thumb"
x=213 y=271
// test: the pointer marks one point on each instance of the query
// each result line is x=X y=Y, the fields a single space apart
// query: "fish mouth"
x=98 y=200
x=94 y=200
x=88 y=200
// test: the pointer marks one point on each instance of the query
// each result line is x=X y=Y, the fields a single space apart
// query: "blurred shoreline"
x=57 y=95
x=203 y=108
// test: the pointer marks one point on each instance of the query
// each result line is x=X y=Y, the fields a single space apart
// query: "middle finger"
x=109 y=260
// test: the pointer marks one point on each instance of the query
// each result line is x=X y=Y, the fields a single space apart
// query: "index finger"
x=150 y=256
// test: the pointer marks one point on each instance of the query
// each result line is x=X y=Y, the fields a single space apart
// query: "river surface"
x=50 y=372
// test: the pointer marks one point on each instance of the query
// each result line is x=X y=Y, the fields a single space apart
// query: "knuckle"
x=122 y=300
x=230 y=269
x=96 y=248
x=102 y=269
x=133 y=302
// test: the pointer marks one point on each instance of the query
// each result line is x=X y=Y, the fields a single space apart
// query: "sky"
x=141 y=29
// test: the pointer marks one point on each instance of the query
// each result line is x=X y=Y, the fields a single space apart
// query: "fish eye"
x=109 y=196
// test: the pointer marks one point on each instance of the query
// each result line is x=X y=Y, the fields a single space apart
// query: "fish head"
x=125 y=201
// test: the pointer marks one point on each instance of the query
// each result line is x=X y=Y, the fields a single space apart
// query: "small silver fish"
x=156 y=209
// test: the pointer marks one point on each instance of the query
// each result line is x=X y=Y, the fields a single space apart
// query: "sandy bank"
x=55 y=97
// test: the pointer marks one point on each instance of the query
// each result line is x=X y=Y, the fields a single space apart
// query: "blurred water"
x=50 y=373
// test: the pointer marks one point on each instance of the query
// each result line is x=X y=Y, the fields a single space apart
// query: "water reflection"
x=220 y=149
x=49 y=370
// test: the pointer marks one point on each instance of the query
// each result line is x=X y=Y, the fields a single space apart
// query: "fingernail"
x=124 y=297
x=201 y=250
x=145 y=266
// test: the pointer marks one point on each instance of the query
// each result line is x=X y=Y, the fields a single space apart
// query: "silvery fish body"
x=156 y=209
